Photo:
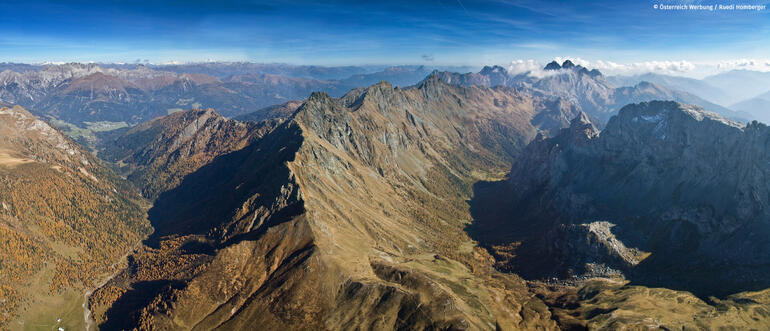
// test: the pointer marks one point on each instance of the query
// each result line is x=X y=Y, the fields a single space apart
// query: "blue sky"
x=376 y=32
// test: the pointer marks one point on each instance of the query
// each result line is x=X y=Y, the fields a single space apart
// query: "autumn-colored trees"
x=62 y=220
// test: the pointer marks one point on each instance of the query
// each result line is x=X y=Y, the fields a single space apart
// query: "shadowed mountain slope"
x=618 y=225
x=156 y=155
x=668 y=192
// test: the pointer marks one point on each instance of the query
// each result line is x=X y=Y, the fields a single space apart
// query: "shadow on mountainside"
x=500 y=228
x=124 y=311
x=234 y=198
x=208 y=201
x=532 y=240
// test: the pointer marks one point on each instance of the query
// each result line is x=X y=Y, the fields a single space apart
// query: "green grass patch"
x=48 y=311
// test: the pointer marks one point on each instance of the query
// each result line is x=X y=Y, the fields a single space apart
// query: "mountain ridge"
x=296 y=197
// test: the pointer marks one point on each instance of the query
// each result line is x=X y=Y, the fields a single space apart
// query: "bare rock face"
x=684 y=185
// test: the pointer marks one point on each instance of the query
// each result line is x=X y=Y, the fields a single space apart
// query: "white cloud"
x=661 y=67
x=614 y=68
x=531 y=68
x=747 y=64
x=522 y=66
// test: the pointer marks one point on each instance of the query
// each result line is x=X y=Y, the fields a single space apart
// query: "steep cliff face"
x=671 y=195
x=348 y=215
x=156 y=155
x=64 y=218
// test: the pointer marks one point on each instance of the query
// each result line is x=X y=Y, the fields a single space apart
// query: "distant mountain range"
x=758 y=106
x=88 y=93
x=693 y=86
x=743 y=91
x=741 y=84
x=91 y=97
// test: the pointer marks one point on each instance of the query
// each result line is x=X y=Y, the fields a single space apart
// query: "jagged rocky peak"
x=569 y=65
x=582 y=127
x=434 y=84
x=578 y=133
x=316 y=103
x=383 y=87
x=662 y=120
x=553 y=65
x=434 y=78
x=487 y=70
x=327 y=116
x=582 y=120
